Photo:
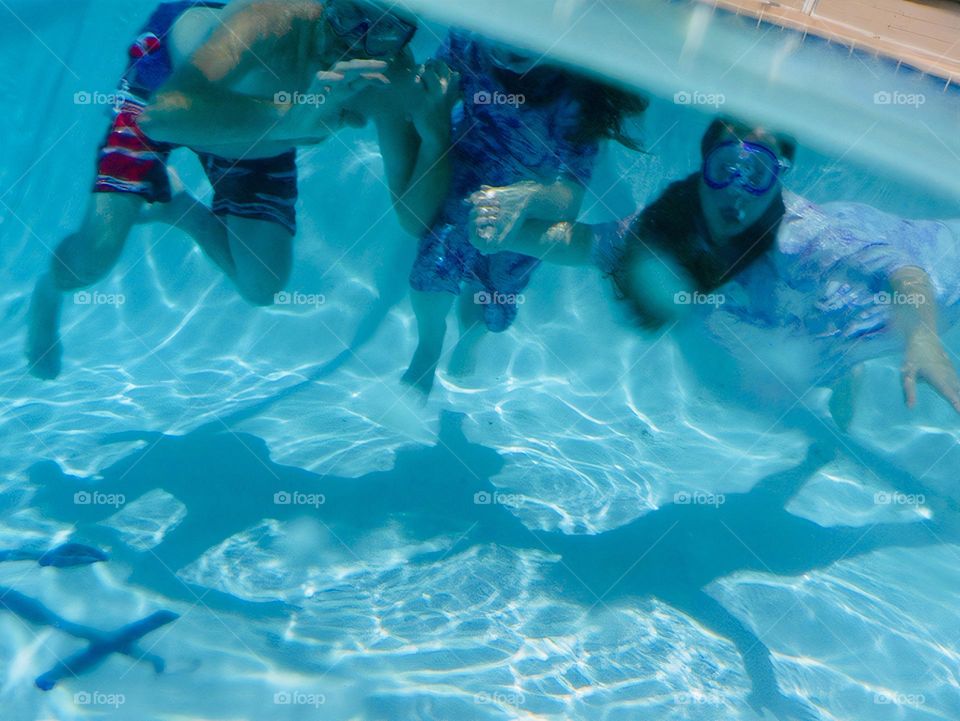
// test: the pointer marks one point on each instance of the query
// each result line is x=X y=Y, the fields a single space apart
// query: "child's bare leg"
x=80 y=260
x=463 y=360
x=262 y=254
x=431 y=310
x=194 y=218
x=844 y=398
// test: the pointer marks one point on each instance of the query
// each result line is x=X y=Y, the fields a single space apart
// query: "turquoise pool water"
x=525 y=546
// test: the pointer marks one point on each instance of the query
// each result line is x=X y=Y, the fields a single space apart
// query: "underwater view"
x=442 y=360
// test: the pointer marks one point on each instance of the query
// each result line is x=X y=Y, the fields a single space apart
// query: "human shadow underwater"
x=228 y=482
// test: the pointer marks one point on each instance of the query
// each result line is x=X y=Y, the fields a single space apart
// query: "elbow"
x=413 y=217
x=411 y=223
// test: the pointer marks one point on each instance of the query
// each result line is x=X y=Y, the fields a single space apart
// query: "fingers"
x=432 y=84
x=481 y=202
x=486 y=195
x=486 y=234
x=480 y=234
x=939 y=375
x=949 y=393
x=379 y=77
x=442 y=73
x=329 y=76
x=453 y=85
x=429 y=81
x=910 y=386
x=359 y=66
x=486 y=221
x=437 y=68
x=488 y=213
x=485 y=217
x=351 y=72
x=436 y=78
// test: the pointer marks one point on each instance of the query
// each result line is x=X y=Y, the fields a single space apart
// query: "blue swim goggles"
x=379 y=32
x=755 y=167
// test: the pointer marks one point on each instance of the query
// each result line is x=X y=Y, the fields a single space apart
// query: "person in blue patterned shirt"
x=525 y=138
x=825 y=287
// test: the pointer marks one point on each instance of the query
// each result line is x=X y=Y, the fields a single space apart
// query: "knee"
x=72 y=274
x=261 y=273
x=85 y=258
x=261 y=286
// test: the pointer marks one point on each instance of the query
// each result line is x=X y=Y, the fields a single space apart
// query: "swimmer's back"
x=252 y=47
x=191 y=30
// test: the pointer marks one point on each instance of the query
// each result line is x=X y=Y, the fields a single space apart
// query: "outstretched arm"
x=520 y=215
x=194 y=112
x=563 y=243
x=916 y=314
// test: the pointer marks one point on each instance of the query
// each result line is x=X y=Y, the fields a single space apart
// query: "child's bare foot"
x=421 y=373
x=463 y=360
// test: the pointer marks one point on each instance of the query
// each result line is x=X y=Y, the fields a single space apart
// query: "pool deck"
x=924 y=34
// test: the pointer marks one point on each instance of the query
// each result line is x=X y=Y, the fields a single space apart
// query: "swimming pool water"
x=337 y=551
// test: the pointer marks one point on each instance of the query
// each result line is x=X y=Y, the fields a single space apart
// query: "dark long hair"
x=606 y=108
x=673 y=226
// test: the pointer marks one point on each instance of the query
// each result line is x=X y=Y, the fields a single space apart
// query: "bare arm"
x=186 y=113
x=197 y=106
x=562 y=243
x=916 y=315
x=500 y=216
x=418 y=174
x=560 y=200
x=415 y=144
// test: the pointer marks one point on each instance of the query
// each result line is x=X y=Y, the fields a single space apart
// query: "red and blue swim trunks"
x=130 y=162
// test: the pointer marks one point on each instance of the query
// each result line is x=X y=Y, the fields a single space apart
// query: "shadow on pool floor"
x=227 y=481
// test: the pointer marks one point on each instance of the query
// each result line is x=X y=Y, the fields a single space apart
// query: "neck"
x=746 y=247
x=718 y=237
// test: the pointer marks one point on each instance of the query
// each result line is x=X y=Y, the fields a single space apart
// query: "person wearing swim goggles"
x=369 y=28
x=755 y=167
x=832 y=269
x=738 y=178
x=706 y=227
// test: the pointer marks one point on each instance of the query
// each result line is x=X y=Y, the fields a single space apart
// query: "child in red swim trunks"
x=223 y=80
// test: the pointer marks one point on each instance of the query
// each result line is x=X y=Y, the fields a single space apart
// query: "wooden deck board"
x=924 y=34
